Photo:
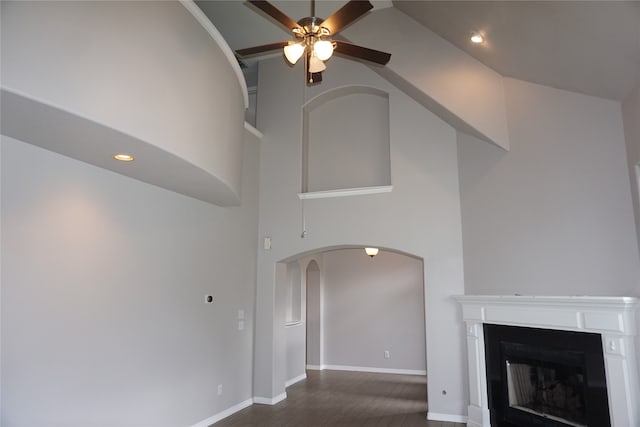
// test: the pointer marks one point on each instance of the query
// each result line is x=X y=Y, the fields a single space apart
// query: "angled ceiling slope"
x=590 y=47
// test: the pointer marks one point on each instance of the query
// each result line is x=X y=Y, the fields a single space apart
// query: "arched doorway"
x=314 y=310
x=359 y=313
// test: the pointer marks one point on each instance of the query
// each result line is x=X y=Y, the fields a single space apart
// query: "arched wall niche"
x=346 y=140
x=313 y=310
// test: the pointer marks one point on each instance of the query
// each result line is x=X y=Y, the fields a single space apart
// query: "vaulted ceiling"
x=591 y=47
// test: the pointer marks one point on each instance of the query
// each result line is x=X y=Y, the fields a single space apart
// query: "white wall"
x=552 y=216
x=420 y=217
x=295 y=336
x=631 y=121
x=372 y=305
x=103 y=284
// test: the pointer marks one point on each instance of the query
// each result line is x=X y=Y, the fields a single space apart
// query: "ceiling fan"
x=313 y=38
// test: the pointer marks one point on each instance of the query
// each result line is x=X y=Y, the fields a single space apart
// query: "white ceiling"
x=591 y=47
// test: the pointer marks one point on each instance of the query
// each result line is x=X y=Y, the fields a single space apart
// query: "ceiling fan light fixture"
x=316 y=65
x=312 y=37
x=293 y=52
x=323 y=49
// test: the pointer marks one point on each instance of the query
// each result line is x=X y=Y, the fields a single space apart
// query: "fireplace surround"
x=609 y=322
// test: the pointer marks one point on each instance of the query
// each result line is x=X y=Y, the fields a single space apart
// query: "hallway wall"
x=373 y=305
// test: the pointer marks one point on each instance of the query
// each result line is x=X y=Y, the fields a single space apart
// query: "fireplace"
x=551 y=361
x=545 y=377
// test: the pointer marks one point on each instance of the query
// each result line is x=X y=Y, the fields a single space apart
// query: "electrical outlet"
x=387 y=355
x=241 y=314
x=240 y=325
x=219 y=389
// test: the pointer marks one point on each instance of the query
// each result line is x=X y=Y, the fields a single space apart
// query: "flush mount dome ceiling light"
x=313 y=38
x=371 y=251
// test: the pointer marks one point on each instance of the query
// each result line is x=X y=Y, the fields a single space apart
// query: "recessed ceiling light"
x=477 y=38
x=124 y=157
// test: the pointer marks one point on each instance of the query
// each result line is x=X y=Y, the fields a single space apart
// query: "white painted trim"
x=270 y=400
x=345 y=192
x=206 y=23
x=252 y=130
x=367 y=369
x=224 y=414
x=435 y=416
x=611 y=317
x=294 y=380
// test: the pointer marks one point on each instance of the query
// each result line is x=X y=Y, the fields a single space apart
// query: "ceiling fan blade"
x=260 y=49
x=360 y=52
x=346 y=15
x=275 y=13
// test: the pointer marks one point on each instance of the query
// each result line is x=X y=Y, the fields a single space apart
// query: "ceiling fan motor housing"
x=311 y=26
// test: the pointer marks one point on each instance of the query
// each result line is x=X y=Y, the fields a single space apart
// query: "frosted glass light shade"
x=323 y=49
x=293 y=52
x=371 y=251
x=316 y=65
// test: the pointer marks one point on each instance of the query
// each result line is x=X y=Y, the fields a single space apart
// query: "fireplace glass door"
x=553 y=392
x=545 y=378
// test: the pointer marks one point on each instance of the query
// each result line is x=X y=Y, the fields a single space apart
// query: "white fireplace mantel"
x=612 y=317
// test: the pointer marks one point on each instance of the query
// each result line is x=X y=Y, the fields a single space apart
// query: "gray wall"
x=421 y=216
x=372 y=305
x=553 y=216
x=103 y=284
x=631 y=121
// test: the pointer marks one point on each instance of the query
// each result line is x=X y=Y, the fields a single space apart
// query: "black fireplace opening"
x=543 y=377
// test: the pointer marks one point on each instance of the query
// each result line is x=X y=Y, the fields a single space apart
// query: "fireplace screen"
x=553 y=392
x=550 y=378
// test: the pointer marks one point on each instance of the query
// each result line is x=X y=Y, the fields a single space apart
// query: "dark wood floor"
x=345 y=399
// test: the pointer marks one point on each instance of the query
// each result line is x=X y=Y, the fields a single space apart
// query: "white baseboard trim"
x=294 y=380
x=374 y=370
x=224 y=414
x=314 y=367
x=434 y=416
x=270 y=400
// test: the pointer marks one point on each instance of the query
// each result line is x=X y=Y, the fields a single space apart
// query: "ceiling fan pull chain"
x=302 y=179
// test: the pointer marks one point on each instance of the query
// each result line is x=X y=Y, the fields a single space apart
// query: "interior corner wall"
x=553 y=216
x=420 y=216
x=631 y=121
x=104 y=320
x=380 y=301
